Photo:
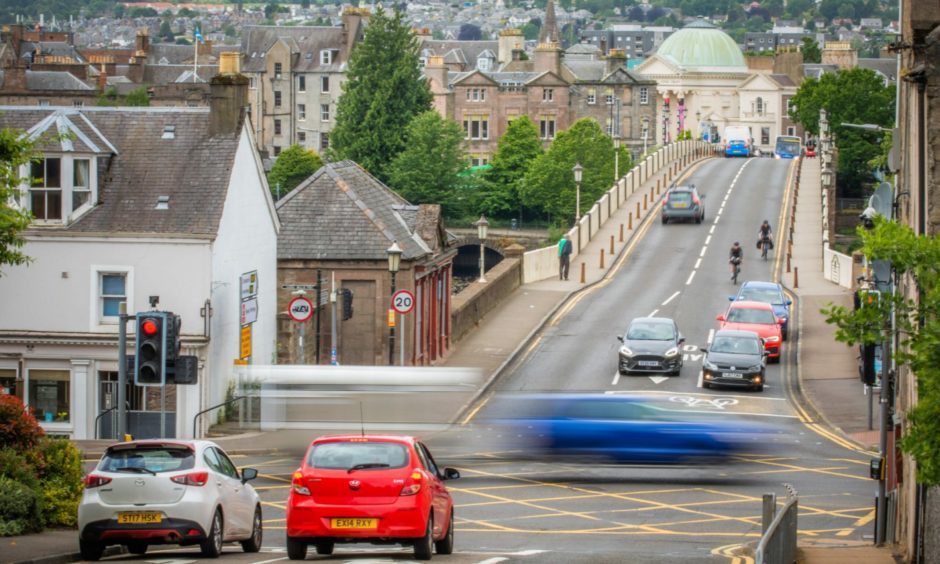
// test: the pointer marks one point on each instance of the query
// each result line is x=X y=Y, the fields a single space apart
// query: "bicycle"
x=765 y=245
x=736 y=261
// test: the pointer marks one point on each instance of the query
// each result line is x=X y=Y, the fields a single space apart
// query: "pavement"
x=827 y=389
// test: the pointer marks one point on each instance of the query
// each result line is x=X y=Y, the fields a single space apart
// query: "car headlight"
x=625 y=351
x=708 y=365
x=755 y=368
x=773 y=339
x=672 y=352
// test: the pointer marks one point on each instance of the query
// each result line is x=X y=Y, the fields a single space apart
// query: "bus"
x=787 y=147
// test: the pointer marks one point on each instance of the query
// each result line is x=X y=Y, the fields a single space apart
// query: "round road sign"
x=403 y=301
x=300 y=309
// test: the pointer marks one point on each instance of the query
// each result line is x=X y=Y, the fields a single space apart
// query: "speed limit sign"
x=403 y=301
x=300 y=309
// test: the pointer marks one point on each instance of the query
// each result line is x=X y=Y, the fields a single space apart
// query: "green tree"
x=15 y=151
x=916 y=260
x=137 y=97
x=501 y=189
x=166 y=32
x=811 y=51
x=383 y=92
x=549 y=184
x=426 y=171
x=294 y=165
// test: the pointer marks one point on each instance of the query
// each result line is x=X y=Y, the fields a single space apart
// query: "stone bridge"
x=467 y=261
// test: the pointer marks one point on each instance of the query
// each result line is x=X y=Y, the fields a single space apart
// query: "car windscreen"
x=736 y=345
x=684 y=197
x=148 y=459
x=769 y=296
x=344 y=455
x=651 y=332
x=749 y=315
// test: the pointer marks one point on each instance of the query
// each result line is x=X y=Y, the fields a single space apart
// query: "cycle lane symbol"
x=716 y=403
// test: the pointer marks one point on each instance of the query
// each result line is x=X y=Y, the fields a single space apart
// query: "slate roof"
x=168 y=74
x=193 y=169
x=885 y=67
x=344 y=213
x=783 y=80
x=308 y=41
x=464 y=51
x=54 y=80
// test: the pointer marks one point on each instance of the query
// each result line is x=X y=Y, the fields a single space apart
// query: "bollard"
x=583 y=275
x=645 y=205
x=621 y=232
x=637 y=212
x=788 y=262
x=796 y=277
x=630 y=219
x=602 y=259
x=611 y=245
x=657 y=188
x=790 y=247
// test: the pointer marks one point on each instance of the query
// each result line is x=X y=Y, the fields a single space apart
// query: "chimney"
x=353 y=21
x=436 y=71
x=421 y=33
x=616 y=59
x=509 y=40
x=15 y=78
x=102 y=79
x=548 y=58
x=228 y=96
x=142 y=43
x=204 y=48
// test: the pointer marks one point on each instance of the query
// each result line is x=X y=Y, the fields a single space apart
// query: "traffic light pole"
x=880 y=513
x=122 y=371
x=318 y=304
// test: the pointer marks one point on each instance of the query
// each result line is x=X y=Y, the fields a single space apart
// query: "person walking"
x=564 y=257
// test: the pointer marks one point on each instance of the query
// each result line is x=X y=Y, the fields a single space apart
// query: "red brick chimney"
x=142 y=42
x=102 y=79
x=14 y=79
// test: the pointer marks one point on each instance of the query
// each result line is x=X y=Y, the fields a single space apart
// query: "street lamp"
x=646 y=130
x=394 y=261
x=616 y=158
x=826 y=176
x=482 y=227
x=578 y=171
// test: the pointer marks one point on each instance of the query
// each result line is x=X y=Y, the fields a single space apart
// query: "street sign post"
x=300 y=309
x=403 y=302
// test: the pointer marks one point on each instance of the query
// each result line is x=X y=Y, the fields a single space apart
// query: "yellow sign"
x=246 y=342
x=391 y=318
x=240 y=362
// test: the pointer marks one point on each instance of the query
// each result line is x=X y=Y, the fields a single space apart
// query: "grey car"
x=651 y=344
x=736 y=359
x=683 y=202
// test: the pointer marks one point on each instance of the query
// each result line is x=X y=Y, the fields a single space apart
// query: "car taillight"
x=696 y=200
x=664 y=201
x=192 y=479
x=415 y=485
x=93 y=481
x=297 y=484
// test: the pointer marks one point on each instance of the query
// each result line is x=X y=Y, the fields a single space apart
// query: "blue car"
x=737 y=148
x=623 y=429
x=771 y=293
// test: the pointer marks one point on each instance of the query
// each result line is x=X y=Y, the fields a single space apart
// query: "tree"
x=501 y=189
x=166 y=32
x=383 y=92
x=549 y=184
x=426 y=172
x=15 y=151
x=916 y=261
x=137 y=97
x=811 y=51
x=294 y=165
x=469 y=32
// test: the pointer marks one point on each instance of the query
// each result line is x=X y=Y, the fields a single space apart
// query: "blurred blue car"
x=771 y=293
x=625 y=429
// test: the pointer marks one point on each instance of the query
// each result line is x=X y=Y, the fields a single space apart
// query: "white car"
x=168 y=492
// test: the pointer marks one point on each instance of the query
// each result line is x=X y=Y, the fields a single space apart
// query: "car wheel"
x=446 y=544
x=698 y=219
x=296 y=549
x=665 y=220
x=760 y=388
x=325 y=547
x=775 y=360
x=424 y=544
x=253 y=544
x=90 y=550
x=212 y=546
x=137 y=548
x=706 y=385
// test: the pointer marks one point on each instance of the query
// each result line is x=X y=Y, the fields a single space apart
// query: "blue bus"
x=788 y=147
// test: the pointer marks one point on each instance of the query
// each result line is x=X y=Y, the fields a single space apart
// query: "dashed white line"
x=711 y=335
x=691 y=276
x=702 y=254
x=707 y=239
x=699 y=383
x=670 y=298
x=712 y=230
x=697 y=264
x=653 y=313
x=616 y=378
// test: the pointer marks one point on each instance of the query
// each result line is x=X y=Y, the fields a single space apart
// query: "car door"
x=224 y=491
x=240 y=510
x=440 y=497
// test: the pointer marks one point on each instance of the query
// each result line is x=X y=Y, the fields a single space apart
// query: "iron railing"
x=208 y=409
x=778 y=543
x=100 y=415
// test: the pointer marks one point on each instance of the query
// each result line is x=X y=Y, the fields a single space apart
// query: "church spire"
x=549 y=32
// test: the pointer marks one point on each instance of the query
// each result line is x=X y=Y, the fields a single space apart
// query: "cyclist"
x=735 y=257
x=764 y=238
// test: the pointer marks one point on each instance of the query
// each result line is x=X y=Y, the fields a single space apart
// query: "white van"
x=738 y=141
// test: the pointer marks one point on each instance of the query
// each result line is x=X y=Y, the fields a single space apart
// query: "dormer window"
x=81 y=182
x=483 y=63
x=45 y=191
x=326 y=57
x=60 y=186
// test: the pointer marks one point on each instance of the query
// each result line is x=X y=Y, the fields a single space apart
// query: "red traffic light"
x=150 y=327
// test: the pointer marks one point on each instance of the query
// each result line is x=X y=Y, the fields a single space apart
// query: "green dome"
x=700 y=46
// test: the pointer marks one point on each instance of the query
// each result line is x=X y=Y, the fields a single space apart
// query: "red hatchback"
x=757 y=317
x=383 y=489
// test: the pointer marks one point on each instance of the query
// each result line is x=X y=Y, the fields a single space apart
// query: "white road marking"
x=691 y=276
x=653 y=313
x=699 y=384
x=616 y=378
x=702 y=254
x=712 y=230
x=269 y=561
x=708 y=240
x=711 y=335
x=698 y=263
x=493 y=560
x=658 y=379
x=670 y=298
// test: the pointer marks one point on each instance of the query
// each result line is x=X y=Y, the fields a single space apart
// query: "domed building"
x=704 y=84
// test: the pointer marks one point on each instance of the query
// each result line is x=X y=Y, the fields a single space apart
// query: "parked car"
x=651 y=344
x=168 y=492
x=734 y=358
x=383 y=489
x=683 y=202
x=771 y=293
x=757 y=317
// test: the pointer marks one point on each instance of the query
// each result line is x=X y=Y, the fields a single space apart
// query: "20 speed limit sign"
x=403 y=301
x=300 y=309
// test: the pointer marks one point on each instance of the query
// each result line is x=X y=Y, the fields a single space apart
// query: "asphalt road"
x=528 y=511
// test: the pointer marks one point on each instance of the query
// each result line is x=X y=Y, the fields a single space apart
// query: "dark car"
x=623 y=429
x=651 y=344
x=734 y=358
x=683 y=202
x=771 y=293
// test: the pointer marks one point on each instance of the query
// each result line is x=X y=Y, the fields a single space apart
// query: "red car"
x=757 y=317
x=810 y=152
x=382 y=489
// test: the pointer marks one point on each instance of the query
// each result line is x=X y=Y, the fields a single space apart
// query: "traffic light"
x=150 y=351
x=347 y=304
x=173 y=325
x=867 y=373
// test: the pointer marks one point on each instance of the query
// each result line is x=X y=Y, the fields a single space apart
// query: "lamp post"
x=646 y=130
x=698 y=122
x=482 y=226
x=616 y=157
x=394 y=261
x=578 y=171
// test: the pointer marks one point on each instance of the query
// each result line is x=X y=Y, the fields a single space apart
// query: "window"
x=787 y=102
x=609 y=96
x=81 y=183
x=277 y=127
x=547 y=127
x=326 y=57
x=477 y=127
x=277 y=98
x=644 y=95
x=112 y=290
x=324 y=112
x=45 y=193
x=765 y=136
x=476 y=94
x=252 y=84
x=324 y=84
x=10 y=384
x=49 y=395
x=301 y=83
x=324 y=141
x=277 y=71
x=760 y=105
x=479 y=160
x=301 y=137
x=78 y=103
x=277 y=150
x=43 y=103
x=301 y=112
x=483 y=63
x=592 y=96
x=791 y=131
x=548 y=94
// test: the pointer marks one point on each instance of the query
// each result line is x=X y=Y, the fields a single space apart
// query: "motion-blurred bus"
x=788 y=147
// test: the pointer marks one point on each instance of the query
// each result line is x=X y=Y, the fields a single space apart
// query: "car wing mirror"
x=780 y=321
x=789 y=302
x=720 y=317
x=249 y=474
x=620 y=338
x=451 y=474
x=703 y=349
x=730 y=298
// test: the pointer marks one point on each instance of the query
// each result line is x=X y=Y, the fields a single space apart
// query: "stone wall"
x=471 y=305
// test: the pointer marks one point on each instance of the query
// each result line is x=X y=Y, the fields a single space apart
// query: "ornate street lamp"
x=646 y=130
x=394 y=261
x=482 y=227
x=616 y=158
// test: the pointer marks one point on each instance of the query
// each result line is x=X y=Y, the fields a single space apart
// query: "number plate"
x=733 y=375
x=680 y=205
x=354 y=523
x=648 y=363
x=139 y=518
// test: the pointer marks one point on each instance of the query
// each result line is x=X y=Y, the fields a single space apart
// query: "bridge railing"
x=540 y=264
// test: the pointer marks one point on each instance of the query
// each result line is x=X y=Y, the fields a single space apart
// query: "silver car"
x=168 y=492
x=683 y=202
x=651 y=344
x=736 y=359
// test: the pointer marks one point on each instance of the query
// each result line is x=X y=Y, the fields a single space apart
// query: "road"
x=527 y=511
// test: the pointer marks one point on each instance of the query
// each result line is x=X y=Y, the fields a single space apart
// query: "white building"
x=131 y=203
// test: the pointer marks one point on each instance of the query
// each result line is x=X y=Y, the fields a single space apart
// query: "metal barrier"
x=208 y=409
x=100 y=415
x=778 y=543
